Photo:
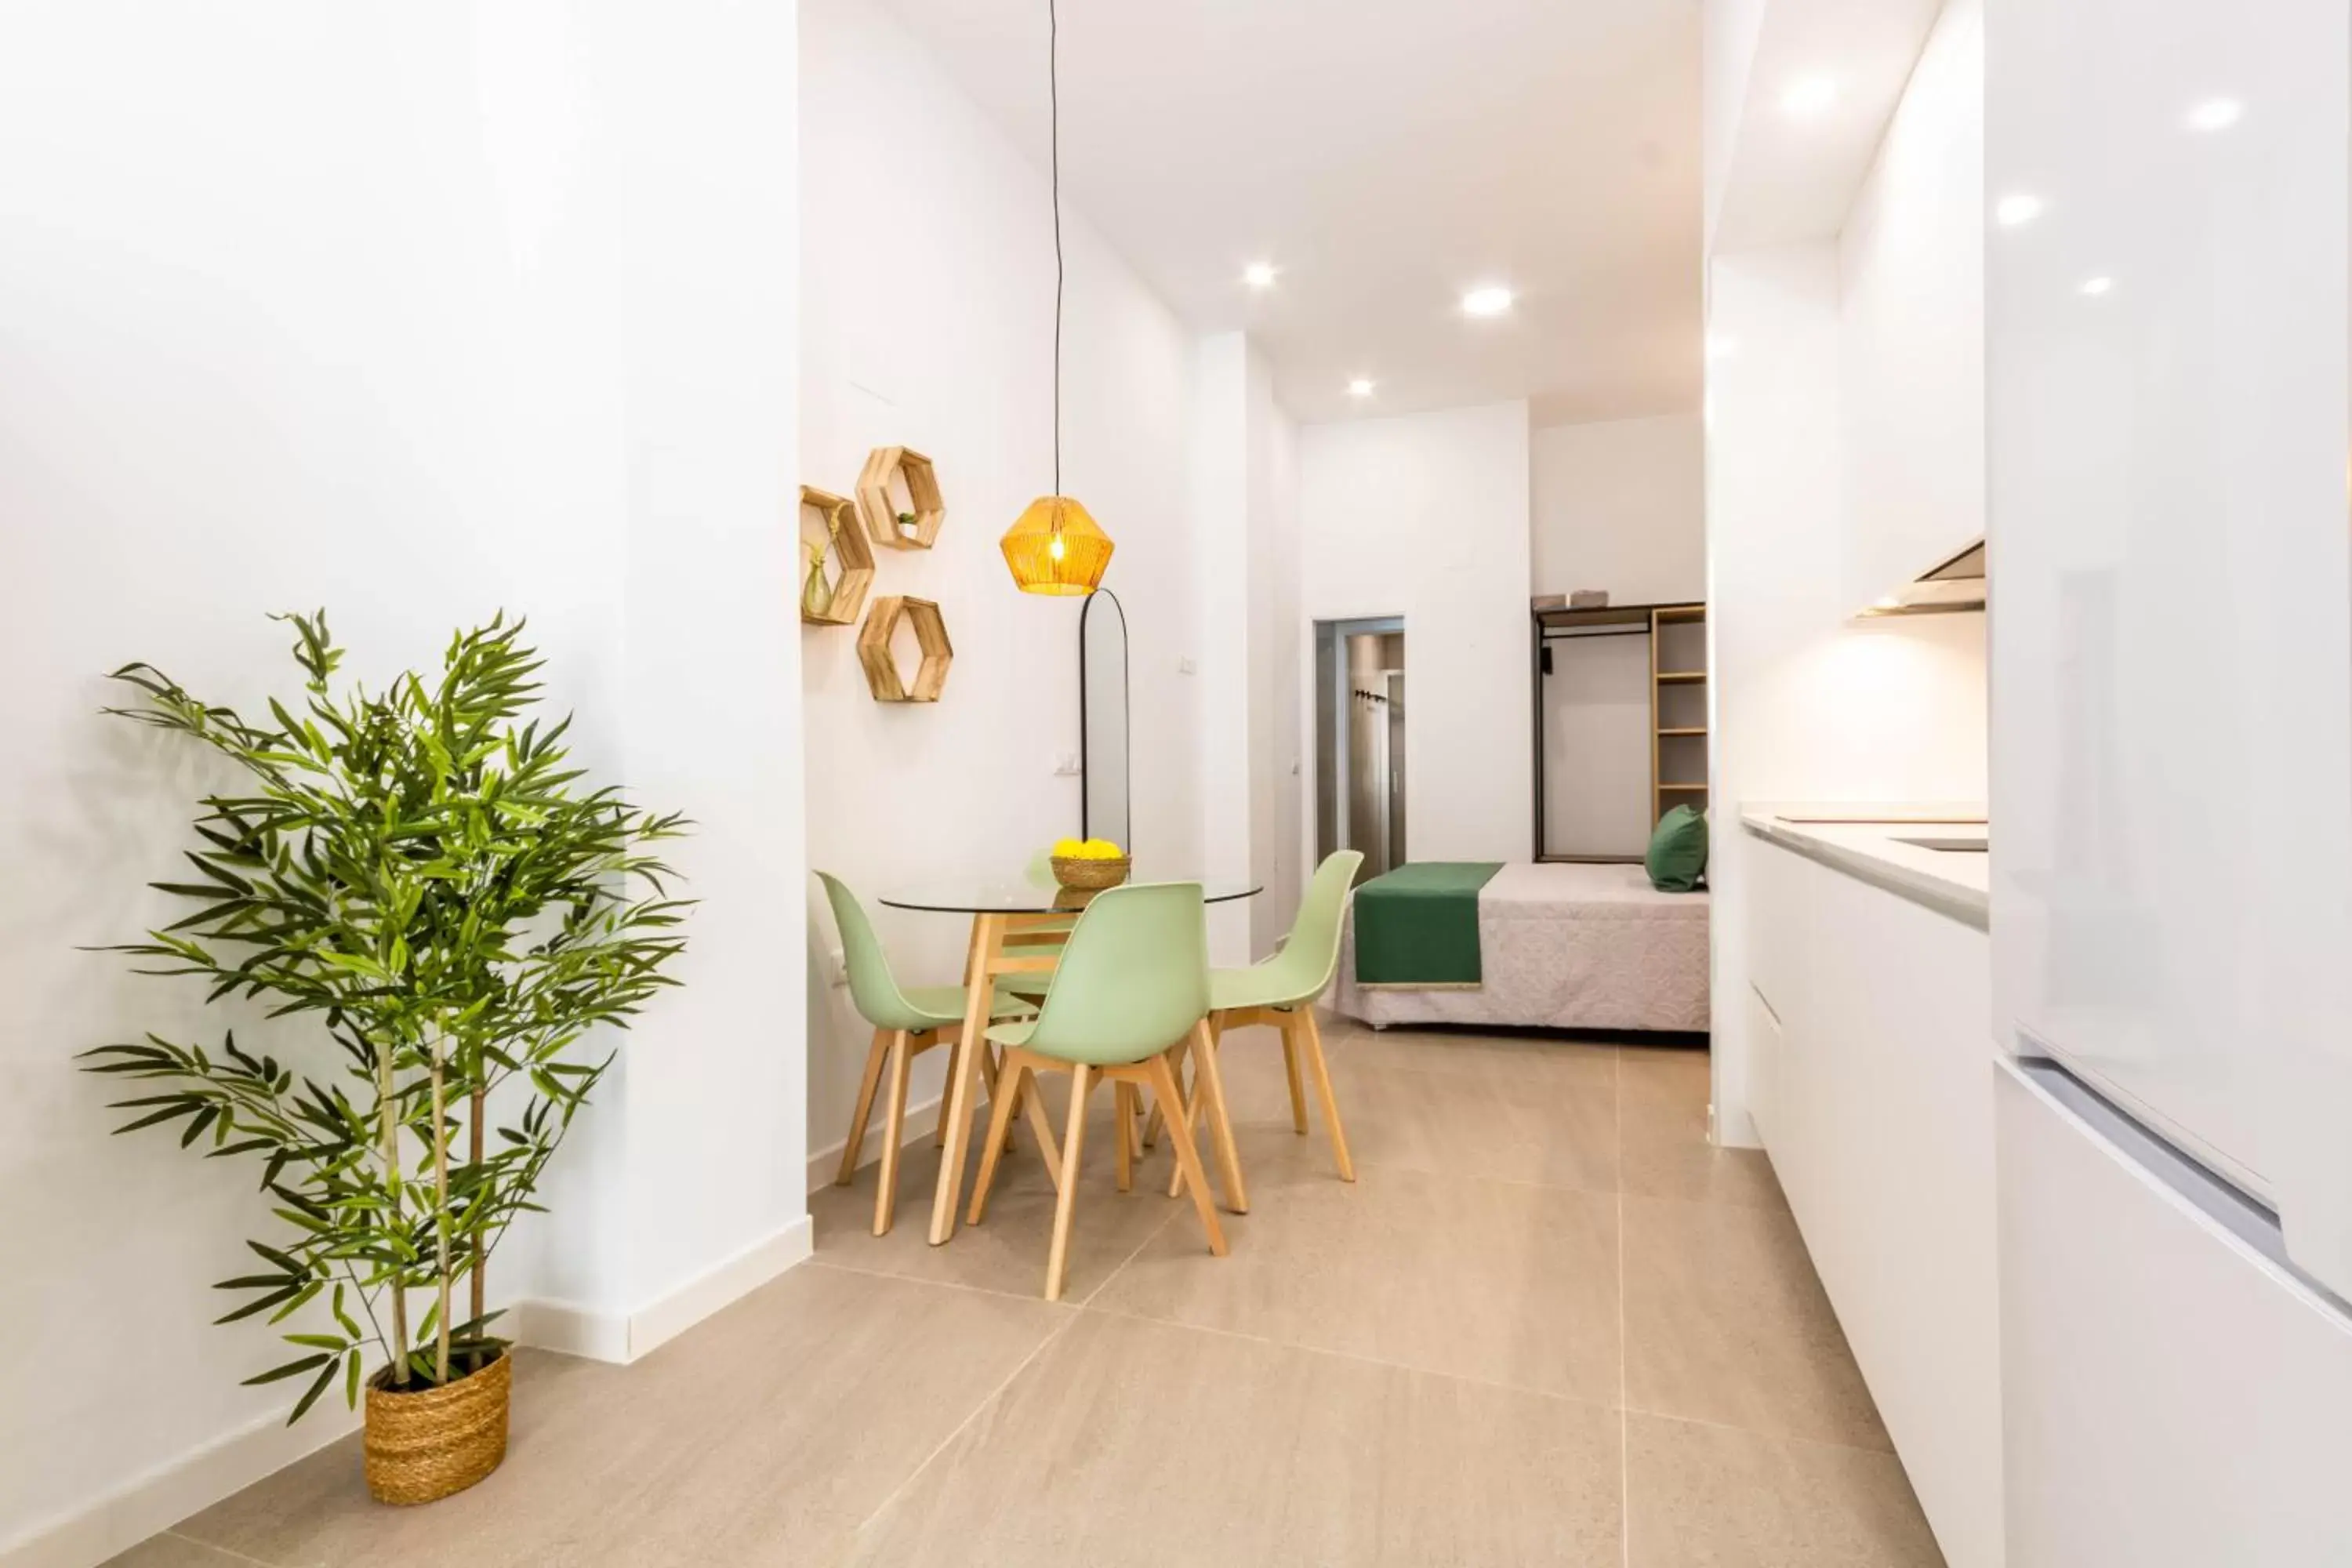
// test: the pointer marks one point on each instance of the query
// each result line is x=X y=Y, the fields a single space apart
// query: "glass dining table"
x=1018 y=927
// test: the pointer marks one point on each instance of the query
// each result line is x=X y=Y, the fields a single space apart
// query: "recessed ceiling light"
x=2019 y=209
x=1486 y=299
x=1809 y=96
x=1259 y=275
x=1360 y=387
x=2094 y=286
x=2215 y=115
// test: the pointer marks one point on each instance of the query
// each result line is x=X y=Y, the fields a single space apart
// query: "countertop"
x=1954 y=883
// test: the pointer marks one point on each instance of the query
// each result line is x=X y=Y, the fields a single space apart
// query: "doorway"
x=1359 y=740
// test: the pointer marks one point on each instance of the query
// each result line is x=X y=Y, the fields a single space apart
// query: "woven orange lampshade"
x=1056 y=548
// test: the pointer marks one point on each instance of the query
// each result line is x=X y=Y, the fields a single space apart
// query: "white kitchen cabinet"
x=2175 y=1397
x=2172 y=577
x=1874 y=1096
x=1911 y=352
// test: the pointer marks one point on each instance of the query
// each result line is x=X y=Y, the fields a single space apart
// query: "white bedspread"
x=1570 y=947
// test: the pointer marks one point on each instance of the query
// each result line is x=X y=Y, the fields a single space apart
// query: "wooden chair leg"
x=1034 y=1105
x=1066 y=1198
x=999 y=1124
x=1290 y=1027
x=894 y=1132
x=855 y=1145
x=1188 y=1158
x=1122 y=1131
x=1158 y=1118
x=1310 y=1042
x=940 y=1127
x=1211 y=1089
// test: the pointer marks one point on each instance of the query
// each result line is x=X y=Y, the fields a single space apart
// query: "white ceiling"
x=1385 y=154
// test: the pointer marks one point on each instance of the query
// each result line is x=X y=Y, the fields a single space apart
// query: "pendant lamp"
x=1056 y=547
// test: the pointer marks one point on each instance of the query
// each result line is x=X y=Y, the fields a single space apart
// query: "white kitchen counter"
x=1954 y=883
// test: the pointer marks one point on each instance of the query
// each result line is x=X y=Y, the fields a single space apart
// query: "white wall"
x=1244 y=502
x=1845 y=427
x=1911 y=274
x=413 y=318
x=1620 y=505
x=1277 y=740
x=1806 y=704
x=1426 y=517
x=928 y=292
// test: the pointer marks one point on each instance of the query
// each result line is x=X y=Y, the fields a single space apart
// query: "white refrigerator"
x=2168 y=392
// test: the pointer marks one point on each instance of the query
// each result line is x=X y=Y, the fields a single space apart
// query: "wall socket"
x=1065 y=764
x=837 y=967
x=1185 y=664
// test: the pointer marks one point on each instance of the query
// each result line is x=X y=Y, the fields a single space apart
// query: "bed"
x=1561 y=946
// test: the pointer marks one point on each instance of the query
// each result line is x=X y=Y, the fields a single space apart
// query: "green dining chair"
x=907 y=1021
x=1282 y=993
x=1131 y=986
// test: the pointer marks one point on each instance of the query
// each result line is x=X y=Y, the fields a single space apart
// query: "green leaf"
x=291 y=1369
x=318 y=1386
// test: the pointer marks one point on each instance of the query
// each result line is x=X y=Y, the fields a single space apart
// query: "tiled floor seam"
x=1884 y=1451
x=974 y=1414
x=178 y=1535
x=839 y=1267
x=1463 y=1378
x=1165 y=1222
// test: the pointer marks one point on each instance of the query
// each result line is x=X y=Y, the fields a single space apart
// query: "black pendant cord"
x=1053 y=92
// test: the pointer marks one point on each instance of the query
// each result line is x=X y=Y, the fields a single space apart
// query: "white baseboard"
x=171 y=1492
x=824 y=1163
x=603 y=1334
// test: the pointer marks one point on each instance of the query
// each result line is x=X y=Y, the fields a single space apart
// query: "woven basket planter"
x=1089 y=876
x=434 y=1443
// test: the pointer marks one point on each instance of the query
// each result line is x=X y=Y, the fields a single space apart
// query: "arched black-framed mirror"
x=1103 y=798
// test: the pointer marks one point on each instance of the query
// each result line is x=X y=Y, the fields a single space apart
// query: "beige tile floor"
x=1549 y=1324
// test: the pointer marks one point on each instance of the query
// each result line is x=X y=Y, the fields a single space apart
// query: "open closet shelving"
x=1678 y=739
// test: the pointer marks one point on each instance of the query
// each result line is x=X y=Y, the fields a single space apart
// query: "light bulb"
x=1486 y=299
x=1053 y=548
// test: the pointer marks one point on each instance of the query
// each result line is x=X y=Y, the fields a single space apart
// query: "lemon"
x=1068 y=849
x=1100 y=849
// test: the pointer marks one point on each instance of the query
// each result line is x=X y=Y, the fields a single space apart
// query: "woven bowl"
x=1090 y=876
x=429 y=1445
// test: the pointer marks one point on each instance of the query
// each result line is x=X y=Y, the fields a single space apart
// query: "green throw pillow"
x=1677 y=857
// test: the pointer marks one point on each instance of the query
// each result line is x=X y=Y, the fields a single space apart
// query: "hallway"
x=1549 y=1324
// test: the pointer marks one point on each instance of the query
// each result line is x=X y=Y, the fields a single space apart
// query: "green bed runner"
x=1419 y=924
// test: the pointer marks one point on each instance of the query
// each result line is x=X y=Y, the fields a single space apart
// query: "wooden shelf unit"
x=905 y=469
x=1678 y=724
x=1673 y=737
x=880 y=660
x=830 y=522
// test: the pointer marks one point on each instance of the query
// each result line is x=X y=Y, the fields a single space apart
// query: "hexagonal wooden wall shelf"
x=898 y=496
x=881 y=661
x=830 y=521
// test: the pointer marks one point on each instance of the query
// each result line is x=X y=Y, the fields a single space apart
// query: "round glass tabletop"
x=1016 y=896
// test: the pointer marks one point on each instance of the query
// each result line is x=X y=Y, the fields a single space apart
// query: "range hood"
x=1957 y=584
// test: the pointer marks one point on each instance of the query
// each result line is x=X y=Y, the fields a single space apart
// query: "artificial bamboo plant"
x=434 y=889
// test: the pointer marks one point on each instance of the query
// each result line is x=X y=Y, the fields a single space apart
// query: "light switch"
x=1184 y=665
x=1066 y=766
